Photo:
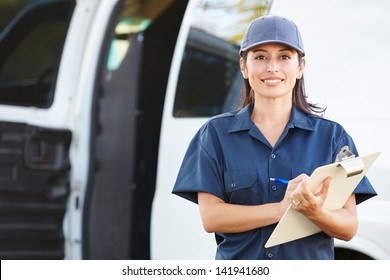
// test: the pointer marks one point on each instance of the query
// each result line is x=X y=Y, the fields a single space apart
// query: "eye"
x=260 y=57
x=285 y=57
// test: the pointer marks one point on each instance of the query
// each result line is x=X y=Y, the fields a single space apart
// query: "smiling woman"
x=229 y=163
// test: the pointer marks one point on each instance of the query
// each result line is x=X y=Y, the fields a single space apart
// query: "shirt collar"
x=242 y=120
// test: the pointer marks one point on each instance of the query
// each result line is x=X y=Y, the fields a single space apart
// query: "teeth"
x=272 y=81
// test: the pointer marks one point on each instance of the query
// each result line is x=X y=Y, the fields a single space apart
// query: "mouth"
x=272 y=81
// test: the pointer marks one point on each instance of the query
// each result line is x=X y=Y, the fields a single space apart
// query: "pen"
x=283 y=182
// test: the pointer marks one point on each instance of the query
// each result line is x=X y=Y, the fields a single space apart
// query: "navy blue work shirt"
x=230 y=158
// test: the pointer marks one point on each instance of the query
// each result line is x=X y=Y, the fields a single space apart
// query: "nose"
x=272 y=66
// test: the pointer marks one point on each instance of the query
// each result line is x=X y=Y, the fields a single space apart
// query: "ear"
x=243 y=68
x=301 y=68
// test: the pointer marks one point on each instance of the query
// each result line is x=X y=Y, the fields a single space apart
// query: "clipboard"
x=346 y=176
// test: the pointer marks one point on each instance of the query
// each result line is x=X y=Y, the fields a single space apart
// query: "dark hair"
x=299 y=94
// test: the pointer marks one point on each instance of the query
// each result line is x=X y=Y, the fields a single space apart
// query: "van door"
x=34 y=160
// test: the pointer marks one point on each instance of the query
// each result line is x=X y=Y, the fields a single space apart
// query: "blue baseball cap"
x=272 y=29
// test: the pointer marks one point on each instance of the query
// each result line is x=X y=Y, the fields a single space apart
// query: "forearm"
x=341 y=223
x=218 y=216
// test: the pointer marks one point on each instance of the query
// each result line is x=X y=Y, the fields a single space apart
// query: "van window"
x=39 y=28
x=134 y=18
x=209 y=72
x=210 y=81
x=9 y=9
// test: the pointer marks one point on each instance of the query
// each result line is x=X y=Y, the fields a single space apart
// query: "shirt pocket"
x=241 y=186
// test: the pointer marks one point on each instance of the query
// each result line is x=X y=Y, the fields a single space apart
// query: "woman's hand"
x=293 y=186
x=305 y=201
x=340 y=223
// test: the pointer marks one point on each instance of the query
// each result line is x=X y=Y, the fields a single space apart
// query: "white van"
x=100 y=98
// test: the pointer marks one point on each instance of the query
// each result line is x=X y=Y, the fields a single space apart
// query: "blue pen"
x=283 y=182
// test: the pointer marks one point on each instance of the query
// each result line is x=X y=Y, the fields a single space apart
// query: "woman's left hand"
x=310 y=204
x=340 y=223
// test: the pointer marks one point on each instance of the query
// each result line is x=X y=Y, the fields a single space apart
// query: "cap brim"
x=300 y=51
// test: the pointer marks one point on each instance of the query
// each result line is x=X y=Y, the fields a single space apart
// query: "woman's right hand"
x=292 y=186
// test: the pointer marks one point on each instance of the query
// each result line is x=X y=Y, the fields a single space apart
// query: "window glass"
x=30 y=48
x=208 y=73
x=9 y=9
x=210 y=81
x=136 y=16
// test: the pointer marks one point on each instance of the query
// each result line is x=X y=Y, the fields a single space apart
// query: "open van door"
x=34 y=159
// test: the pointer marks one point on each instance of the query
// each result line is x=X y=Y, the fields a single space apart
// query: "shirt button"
x=233 y=185
x=273 y=156
x=274 y=188
x=270 y=255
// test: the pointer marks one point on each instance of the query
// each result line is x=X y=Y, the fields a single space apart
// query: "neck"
x=271 y=112
x=271 y=118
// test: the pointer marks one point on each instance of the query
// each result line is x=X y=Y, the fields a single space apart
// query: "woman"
x=277 y=133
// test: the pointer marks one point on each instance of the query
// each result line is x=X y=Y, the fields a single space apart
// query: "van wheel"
x=348 y=254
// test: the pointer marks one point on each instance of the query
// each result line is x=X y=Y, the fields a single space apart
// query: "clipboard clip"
x=352 y=166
